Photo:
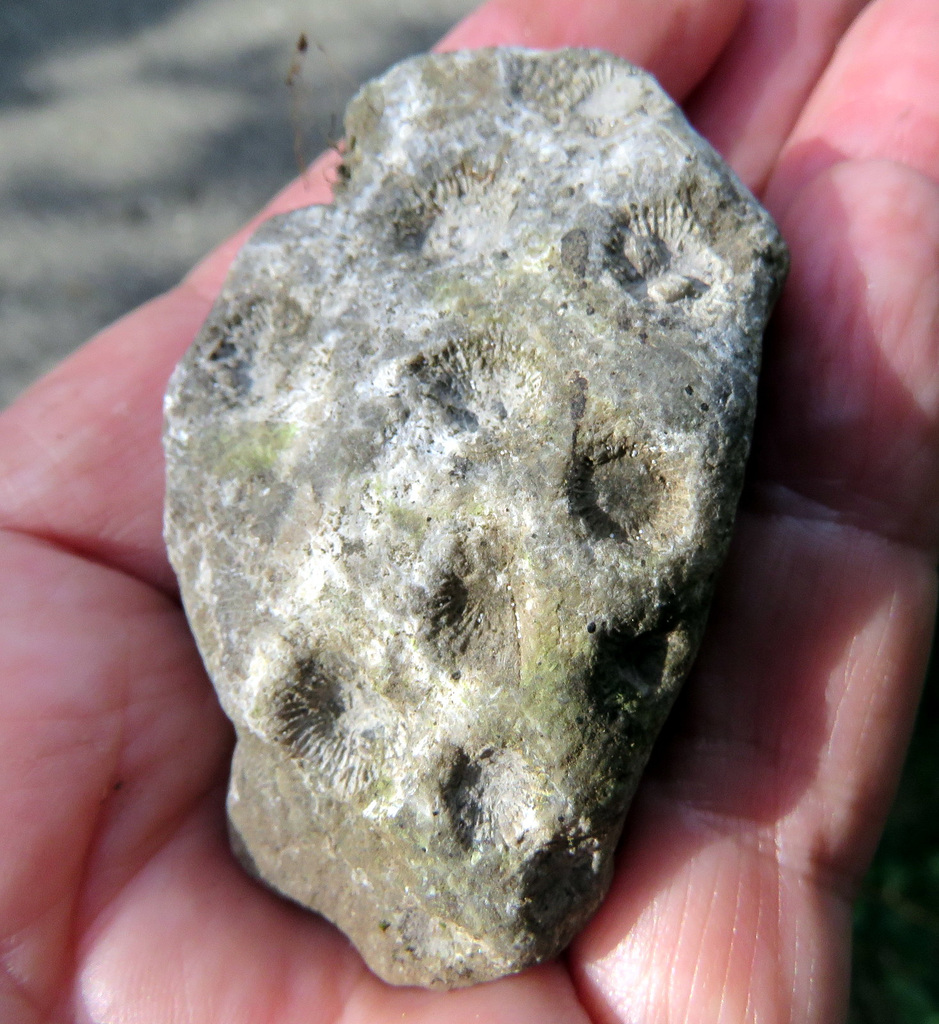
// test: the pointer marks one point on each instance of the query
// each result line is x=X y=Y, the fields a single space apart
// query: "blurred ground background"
x=137 y=134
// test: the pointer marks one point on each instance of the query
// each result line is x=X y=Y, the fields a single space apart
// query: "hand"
x=119 y=899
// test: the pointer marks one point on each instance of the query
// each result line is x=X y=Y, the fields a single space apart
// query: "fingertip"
x=676 y=40
x=878 y=99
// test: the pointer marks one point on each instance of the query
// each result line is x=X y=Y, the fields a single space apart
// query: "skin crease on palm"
x=119 y=900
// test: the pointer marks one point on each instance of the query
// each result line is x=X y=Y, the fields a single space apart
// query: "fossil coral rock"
x=452 y=467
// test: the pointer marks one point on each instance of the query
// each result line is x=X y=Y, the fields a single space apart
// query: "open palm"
x=119 y=899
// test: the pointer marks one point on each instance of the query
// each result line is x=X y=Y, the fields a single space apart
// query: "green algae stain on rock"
x=451 y=470
x=253 y=449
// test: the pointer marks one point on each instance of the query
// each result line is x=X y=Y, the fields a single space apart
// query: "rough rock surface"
x=452 y=467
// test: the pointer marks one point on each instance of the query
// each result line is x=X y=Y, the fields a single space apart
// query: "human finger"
x=677 y=40
x=878 y=99
x=749 y=101
x=109 y=731
x=849 y=416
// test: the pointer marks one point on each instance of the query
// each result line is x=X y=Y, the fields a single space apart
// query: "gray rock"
x=452 y=468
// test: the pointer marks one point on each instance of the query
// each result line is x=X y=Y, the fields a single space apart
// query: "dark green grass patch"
x=896 y=920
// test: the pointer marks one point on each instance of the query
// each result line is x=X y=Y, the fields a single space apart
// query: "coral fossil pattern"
x=452 y=467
